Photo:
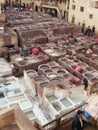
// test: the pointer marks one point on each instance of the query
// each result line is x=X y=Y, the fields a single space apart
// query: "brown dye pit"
x=95 y=60
x=95 y=46
x=51 y=75
x=53 y=63
x=95 y=79
x=63 y=59
x=61 y=72
x=23 y=62
x=52 y=98
x=55 y=68
x=67 y=61
x=44 y=84
x=82 y=64
x=56 y=81
x=95 y=87
x=61 y=86
x=44 y=45
x=59 y=51
x=44 y=67
x=56 y=48
x=39 y=79
x=72 y=48
x=30 y=114
x=31 y=73
x=76 y=61
x=41 y=57
x=89 y=68
x=26 y=58
x=67 y=76
x=89 y=76
x=48 y=71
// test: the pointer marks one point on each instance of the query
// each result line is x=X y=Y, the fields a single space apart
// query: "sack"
x=86 y=114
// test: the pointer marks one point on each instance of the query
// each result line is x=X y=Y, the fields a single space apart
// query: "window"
x=82 y=9
x=90 y=16
x=73 y=7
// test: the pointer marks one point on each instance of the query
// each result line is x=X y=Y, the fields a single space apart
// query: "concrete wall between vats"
x=30 y=83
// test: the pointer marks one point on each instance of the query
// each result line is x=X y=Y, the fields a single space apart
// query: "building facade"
x=83 y=11
x=1 y=1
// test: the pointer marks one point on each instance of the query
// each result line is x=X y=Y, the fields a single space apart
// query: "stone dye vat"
x=76 y=100
x=91 y=75
x=42 y=68
x=51 y=75
x=66 y=62
x=83 y=65
x=31 y=73
x=30 y=114
x=83 y=58
x=29 y=82
x=25 y=104
x=43 y=88
x=57 y=106
x=36 y=83
x=40 y=78
x=95 y=48
x=29 y=62
x=46 y=113
x=52 y=98
x=76 y=68
x=63 y=101
x=61 y=72
x=40 y=115
x=90 y=59
x=66 y=102
x=53 y=52
x=89 y=68
x=32 y=36
x=57 y=81
x=3 y=103
x=14 y=99
x=12 y=92
x=53 y=64
x=57 y=74
x=63 y=30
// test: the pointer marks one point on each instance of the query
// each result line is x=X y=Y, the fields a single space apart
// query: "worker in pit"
x=78 y=122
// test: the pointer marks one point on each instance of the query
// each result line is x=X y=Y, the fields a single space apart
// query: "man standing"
x=85 y=82
x=77 y=123
x=93 y=30
x=83 y=27
x=73 y=19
